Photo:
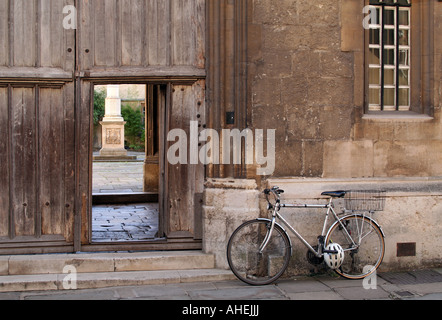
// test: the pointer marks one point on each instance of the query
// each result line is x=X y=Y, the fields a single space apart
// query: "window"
x=389 y=56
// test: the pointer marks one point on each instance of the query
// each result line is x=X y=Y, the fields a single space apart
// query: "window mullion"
x=382 y=56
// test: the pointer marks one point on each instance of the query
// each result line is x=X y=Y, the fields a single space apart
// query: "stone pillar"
x=113 y=126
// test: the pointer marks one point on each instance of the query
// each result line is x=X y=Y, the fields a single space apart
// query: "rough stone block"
x=349 y=159
x=4 y=266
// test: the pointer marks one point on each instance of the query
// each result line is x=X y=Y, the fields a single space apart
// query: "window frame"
x=382 y=26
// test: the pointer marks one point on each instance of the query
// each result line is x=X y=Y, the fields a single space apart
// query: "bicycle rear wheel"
x=247 y=263
x=361 y=260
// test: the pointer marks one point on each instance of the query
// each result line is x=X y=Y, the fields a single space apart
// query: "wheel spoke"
x=370 y=246
x=248 y=263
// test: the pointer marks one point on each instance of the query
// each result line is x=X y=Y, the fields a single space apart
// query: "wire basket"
x=365 y=200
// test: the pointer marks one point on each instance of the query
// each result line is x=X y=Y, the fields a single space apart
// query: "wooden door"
x=149 y=42
x=37 y=166
x=184 y=182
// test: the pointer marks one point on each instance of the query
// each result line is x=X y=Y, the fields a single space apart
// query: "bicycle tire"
x=363 y=261
x=244 y=258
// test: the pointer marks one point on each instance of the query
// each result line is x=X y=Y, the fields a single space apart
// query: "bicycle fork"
x=268 y=235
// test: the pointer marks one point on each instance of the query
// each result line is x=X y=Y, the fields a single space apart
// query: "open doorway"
x=125 y=171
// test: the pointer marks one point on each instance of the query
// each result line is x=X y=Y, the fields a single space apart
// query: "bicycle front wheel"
x=363 y=244
x=245 y=260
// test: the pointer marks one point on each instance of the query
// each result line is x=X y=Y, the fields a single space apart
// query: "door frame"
x=84 y=128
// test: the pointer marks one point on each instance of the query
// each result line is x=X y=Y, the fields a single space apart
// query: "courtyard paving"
x=128 y=222
x=123 y=223
x=118 y=177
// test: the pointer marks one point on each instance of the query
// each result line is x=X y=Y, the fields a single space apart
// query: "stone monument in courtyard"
x=113 y=128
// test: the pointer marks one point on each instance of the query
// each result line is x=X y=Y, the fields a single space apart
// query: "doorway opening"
x=125 y=169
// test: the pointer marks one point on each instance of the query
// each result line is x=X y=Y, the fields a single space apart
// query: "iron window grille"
x=389 y=58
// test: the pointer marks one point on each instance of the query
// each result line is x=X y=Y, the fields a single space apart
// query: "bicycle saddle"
x=335 y=194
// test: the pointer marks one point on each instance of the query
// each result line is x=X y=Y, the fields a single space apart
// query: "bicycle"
x=259 y=251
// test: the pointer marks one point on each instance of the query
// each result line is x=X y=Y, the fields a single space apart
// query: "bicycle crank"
x=313 y=259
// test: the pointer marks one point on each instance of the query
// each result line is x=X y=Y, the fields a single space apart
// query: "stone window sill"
x=401 y=116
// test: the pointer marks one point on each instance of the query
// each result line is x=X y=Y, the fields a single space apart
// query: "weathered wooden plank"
x=177 y=194
x=4 y=163
x=132 y=32
x=51 y=162
x=51 y=42
x=23 y=144
x=4 y=33
x=69 y=161
x=141 y=33
x=181 y=177
x=184 y=31
x=177 y=32
x=158 y=32
x=83 y=147
x=200 y=37
x=25 y=41
x=105 y=36
x=31 y=74
x=70 y=41
x=86 y=47
x=35 y=34
x=199 y=113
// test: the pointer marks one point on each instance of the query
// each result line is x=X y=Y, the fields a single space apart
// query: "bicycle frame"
x=276 y=215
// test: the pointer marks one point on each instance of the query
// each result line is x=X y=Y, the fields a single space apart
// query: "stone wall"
x=227 y=204
x=306 y=79
x=411 y=216
x=306 y=72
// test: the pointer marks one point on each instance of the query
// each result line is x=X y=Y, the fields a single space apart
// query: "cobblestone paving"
x=133 y=222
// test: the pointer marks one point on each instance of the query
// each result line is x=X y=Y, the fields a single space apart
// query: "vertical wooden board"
x=4 y=163
x=105 y=32
x=157 y=32
x=200 y=33
x=183 y=41
x=126 y=32
x=150 y=25
x=174 y=185
x=177 y=32
x=23 y=148
x=86 y=47
x=24 y=26
x=51 y=161
x=69 y=40
x=199 y=93
x=69 y=160
x=4 y=33
x=181 y=177
x=132 y=16
x=52 y=51
x=84 y=193
x=45 y=33
x=189 y=32
x=97 y=25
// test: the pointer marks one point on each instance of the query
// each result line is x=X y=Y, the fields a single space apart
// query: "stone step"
x=48 y=282
x=104 y=262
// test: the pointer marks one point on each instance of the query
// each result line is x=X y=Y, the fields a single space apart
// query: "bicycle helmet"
x=334 y=260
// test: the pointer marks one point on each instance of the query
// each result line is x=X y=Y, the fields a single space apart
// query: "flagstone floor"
x=125 y=223
x=122 y=223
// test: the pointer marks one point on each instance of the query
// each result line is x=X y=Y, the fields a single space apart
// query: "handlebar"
x=275 y=191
